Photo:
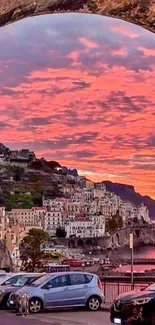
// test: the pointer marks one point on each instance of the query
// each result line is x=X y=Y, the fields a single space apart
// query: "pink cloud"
x=88 y=43
x=123 y=30
x=119 y=52
x=147 y=52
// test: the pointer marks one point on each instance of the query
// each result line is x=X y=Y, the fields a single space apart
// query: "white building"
x=98 y=193
x=15 y=256
x=3 y=223
x=29 y=218
x=89 y=184
x=86 y=227
x=53 y=219
x=77 y=197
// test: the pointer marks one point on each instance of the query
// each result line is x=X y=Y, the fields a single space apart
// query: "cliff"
x=5 y=259
x=141 y=12
x=127 y=192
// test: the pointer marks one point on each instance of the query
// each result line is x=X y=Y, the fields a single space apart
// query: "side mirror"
x=49 y=286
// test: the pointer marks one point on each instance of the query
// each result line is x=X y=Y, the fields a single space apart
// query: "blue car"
x=62 y=290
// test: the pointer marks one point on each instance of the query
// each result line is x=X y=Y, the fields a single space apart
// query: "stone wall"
x=120 y=238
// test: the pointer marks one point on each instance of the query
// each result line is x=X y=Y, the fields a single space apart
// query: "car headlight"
x=141 y=301
x=26 y=294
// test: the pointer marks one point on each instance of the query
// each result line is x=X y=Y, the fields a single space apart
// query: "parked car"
x=10 y=278
x=69 y=289
x=134 y=307
x=24 y=280
x=13 y=284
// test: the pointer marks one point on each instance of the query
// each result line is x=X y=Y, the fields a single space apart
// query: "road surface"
x=80 y=317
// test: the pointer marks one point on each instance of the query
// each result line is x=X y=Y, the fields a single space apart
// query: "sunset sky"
x=80 y=89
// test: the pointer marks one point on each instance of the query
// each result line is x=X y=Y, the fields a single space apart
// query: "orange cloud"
x=82 y=100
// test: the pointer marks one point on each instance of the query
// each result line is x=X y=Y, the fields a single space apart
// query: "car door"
x=58 y=294
x=79 y=288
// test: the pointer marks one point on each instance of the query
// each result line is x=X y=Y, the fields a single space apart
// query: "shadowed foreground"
x=141 y=12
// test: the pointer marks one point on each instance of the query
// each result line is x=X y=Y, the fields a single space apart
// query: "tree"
x=120 y=222
x=60 y=232
x=31 y=253
x=114 y=223
x=52 y=164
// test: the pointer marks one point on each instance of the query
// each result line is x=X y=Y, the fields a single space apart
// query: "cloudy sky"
x=80 y=89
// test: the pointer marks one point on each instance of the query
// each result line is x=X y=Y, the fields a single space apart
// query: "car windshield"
x=24 y=280
x=41 y=280
x=151 y=287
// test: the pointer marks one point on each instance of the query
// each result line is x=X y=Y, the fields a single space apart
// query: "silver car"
x=63 y=290
x=23 y=279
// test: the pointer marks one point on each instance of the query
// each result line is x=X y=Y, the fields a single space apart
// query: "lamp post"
x=131 y=247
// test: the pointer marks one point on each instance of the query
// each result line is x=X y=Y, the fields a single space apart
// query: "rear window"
x=88 y=277
x=78 y=278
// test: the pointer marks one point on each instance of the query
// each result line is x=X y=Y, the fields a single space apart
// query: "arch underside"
x=141 y=12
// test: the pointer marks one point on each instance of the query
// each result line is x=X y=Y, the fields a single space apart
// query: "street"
x=80 y=317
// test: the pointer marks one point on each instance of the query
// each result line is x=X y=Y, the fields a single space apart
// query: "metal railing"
x=113 y=289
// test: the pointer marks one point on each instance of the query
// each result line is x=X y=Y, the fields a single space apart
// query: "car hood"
x=10 y=288
x=131 y=295
x=26 y=289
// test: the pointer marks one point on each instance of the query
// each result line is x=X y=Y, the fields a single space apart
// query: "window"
x=59 y=281
x=88 y=277
x=77 y=279
x=12 y=280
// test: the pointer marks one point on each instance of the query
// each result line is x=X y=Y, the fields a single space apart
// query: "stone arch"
x=113 y=8
x=88 y=243
x=71 y=243
x=80 y=243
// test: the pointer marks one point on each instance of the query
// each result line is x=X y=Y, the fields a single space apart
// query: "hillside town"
x=79 y=208
x=82 y=212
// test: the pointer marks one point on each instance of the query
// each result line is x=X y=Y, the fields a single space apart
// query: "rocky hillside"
x=141 y=12
x=127 y=192
x=5 y=259
x=23 y=187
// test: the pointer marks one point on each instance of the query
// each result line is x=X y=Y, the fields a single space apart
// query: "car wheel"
x=4 y=301
x=94 y=303
x=35 y=305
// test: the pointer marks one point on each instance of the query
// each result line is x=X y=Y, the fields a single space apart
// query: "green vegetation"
x=30 y=248
x=43 y=164
x=24 y=188
x=22 y=201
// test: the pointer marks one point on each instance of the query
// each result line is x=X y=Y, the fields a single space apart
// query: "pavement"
x=69 y=317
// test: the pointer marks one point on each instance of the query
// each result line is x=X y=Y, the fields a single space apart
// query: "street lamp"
x=131 y=247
